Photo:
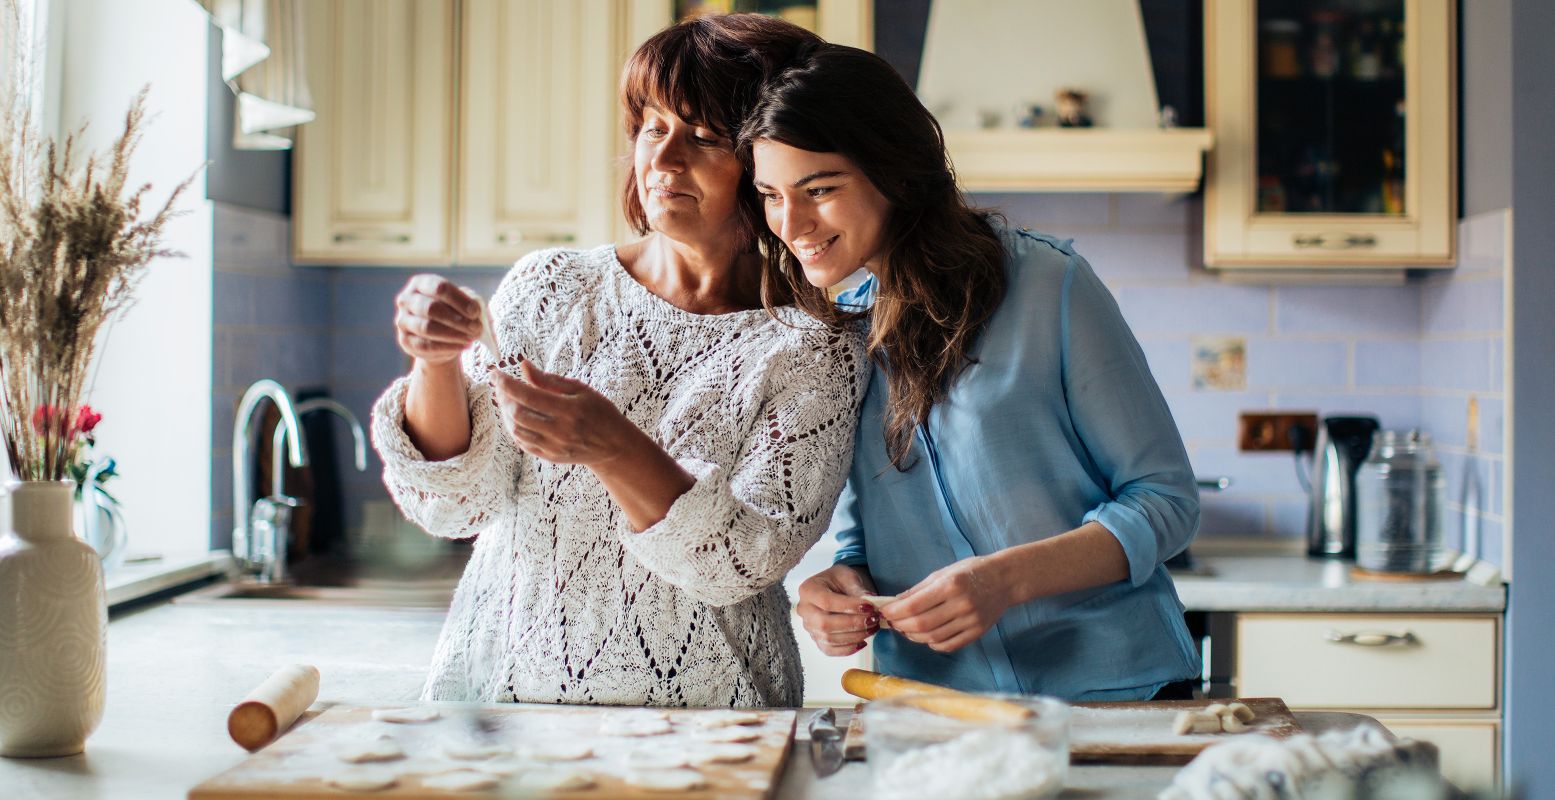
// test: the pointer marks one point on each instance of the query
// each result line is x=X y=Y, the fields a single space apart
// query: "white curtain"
x=262 y=60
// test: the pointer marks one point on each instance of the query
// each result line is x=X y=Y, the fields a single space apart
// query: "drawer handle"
x=1336 y=242
x=1373 y=639
x=517 y=237
x=372 y=236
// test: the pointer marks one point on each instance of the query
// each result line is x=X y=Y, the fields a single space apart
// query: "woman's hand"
x=833 y=611
x=561 y=420
x=434 y=321
x=952 y=607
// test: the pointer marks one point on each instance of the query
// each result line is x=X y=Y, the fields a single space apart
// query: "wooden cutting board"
x=1135 y=733
x=295 y=767
x=1141 y=733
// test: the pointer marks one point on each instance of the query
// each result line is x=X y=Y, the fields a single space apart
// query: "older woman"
x=650 y=451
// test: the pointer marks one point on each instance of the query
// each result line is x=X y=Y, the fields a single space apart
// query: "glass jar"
x=1400 y=497
x=917 y=753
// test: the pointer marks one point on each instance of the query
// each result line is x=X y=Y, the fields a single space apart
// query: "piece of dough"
x=878 y=600
x=1190 y=722
x=560 y=751
x=555 y=780
x=666 y=780
x=408 y=716
x=1241 y=711
x=722 y=754
x=464 y=780
x=627 y=726
x=497 y=766
x=362 y=780
x=1214 y=709
x=1230 y=724
x=475 y=752
x=381 y=749
x=730 y=735
x=723 y=719
x=657 y=758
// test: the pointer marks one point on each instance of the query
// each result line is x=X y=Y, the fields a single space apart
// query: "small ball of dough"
x=407 y=716
x=555 y=780
x=666 y=780
x=465 y=780
x=383 y=749
x=731 y=735
x=560 y=751
x=722 y=754
x=362 y=780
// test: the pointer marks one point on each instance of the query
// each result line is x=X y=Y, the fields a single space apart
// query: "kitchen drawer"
x=1470 y=751
x=1379 y=661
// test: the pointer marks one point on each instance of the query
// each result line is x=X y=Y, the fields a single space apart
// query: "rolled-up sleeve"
x=1126 y=428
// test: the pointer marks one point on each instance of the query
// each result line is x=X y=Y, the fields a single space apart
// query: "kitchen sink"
x=426 y=585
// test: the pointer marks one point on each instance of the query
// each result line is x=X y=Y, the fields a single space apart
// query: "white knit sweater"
x=561 y=601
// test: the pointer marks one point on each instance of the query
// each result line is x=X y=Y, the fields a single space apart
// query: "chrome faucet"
x=272 y=518
x=306 y=407
x=245 y=551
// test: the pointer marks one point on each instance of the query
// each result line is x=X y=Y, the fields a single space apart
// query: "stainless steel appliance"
x=1342 y=446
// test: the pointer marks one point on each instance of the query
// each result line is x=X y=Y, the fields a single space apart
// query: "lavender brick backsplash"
x=1413 y=354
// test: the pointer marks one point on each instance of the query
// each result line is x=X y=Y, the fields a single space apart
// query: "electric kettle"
x=1342 y=446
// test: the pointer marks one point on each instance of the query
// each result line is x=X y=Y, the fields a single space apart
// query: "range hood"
x=982 y=66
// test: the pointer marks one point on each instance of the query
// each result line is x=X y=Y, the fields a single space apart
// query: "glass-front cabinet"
x=1334 y=125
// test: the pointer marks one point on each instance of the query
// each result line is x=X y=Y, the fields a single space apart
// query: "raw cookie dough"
x=723 y=719
x=878 y=600
x=465 y=780
x=411 y=715
x=666 y=780
x=722 y=754
x=560 y=751
x=730 y=735
x=554 y=780
x=362 y=780
x=383 y=749
x=657 y=758
x=641 y=726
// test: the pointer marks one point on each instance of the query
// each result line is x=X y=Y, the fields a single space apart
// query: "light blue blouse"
x=1059 y=422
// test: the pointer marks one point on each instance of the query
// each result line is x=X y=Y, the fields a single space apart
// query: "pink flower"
x=87 y=419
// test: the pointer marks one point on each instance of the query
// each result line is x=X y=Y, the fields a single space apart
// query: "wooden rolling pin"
x=273 y=706
x=934 y=699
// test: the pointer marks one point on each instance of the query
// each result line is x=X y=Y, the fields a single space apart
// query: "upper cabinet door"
x=1334 y=133
x=374 y=171
x=540 y=134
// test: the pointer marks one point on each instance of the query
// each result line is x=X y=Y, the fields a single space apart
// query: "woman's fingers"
x=915 y=626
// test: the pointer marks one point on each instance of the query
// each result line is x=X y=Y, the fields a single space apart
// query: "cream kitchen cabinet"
x=539 y=126
x=1334 y=127
x=1434 y=677
x=373 y=172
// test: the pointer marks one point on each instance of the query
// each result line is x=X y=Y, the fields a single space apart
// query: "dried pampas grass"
x=73 y=246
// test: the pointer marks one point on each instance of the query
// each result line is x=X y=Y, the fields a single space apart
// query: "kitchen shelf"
x=1079 y=159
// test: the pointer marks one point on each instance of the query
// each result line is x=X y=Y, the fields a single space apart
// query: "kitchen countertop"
x=175 y=670
x=1295 y=583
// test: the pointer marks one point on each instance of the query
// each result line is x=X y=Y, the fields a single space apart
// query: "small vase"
x=53 y=627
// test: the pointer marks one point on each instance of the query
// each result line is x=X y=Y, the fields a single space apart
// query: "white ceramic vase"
x=53 y=627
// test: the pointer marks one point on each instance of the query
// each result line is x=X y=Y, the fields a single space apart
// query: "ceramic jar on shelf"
x=53 y=627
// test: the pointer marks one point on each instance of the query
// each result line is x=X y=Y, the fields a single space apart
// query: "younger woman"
x=1017 y=478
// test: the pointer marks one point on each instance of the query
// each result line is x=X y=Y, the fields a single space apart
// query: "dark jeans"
x=1176 y=690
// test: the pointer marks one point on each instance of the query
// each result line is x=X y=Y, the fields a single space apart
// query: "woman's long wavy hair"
x=707 y=70
x=940 y=275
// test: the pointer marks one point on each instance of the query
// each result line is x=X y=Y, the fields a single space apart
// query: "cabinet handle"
x=1373 y=639
x=1334 y=241
x=372 y=236
x=518 y=237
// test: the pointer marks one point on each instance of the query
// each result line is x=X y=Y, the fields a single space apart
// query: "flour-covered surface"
x=514 y=744
x=1142 y=733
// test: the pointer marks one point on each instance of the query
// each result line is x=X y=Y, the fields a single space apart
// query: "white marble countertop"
x=1297 y=583
x=175 y=670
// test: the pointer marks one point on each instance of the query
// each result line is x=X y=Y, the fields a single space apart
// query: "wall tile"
x=1119 y=257
x=1205 y=308
x=1458 y=364
x=1251 y=473
x=1288 y=518
x=1057 y=214
x=1346 y=309
x=1463 y=306
x=1446 y=419
x=1387 y=363
x=1396 y=411
x=1146 y=209
x=1492 y=425
x=1212 y=416
x=1282 y=363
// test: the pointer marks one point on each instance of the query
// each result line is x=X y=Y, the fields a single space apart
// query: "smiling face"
x=688 y=177
x=830 y=216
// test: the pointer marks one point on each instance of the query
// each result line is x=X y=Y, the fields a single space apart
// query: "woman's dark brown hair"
x=708 y=70
x=941 y=272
